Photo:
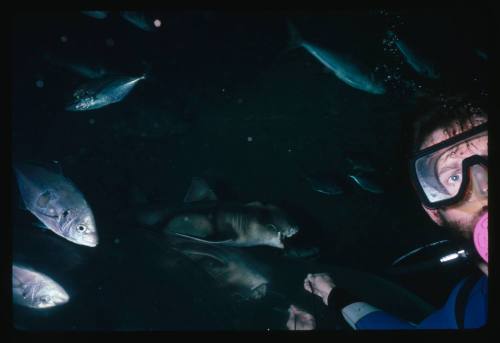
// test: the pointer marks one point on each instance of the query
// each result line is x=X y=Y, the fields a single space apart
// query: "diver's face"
x=463 y=216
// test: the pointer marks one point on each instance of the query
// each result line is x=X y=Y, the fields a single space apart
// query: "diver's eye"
x=81 y=228
x=454 y=178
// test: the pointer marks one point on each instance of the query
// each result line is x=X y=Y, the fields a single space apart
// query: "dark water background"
x=216 y=79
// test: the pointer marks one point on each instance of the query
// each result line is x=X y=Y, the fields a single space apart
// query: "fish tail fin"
x=391 y=34
x=295 y=40
x=147 y=73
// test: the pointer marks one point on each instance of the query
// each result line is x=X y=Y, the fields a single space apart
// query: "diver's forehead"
x=443 y=133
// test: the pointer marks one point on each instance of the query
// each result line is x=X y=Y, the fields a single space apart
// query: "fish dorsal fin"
x=52 y=166
x=199 y=191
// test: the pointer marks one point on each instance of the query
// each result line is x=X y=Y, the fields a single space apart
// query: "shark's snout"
x=293 y=230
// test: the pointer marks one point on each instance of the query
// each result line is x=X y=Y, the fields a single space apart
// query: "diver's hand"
x=320 y=284
x=299 y=319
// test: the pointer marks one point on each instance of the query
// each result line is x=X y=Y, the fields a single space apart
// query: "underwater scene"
x=186 y=170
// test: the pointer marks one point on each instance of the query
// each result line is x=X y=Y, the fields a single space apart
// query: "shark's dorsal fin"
x=199 y=190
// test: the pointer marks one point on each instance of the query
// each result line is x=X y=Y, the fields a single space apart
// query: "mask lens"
x=440 y=173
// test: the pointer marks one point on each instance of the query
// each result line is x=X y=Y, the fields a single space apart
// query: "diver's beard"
x=460 y=229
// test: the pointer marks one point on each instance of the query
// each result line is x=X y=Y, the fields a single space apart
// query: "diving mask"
x=445 y=172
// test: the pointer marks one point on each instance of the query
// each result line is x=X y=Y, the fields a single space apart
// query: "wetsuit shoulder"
x=475 y=308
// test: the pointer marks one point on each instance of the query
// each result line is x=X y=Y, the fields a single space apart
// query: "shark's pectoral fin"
x=40 y=225
x=21 y=205
x=222 y=242
x=207 y=256
x=46 y=198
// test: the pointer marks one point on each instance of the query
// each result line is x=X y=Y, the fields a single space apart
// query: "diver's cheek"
x=461 y=222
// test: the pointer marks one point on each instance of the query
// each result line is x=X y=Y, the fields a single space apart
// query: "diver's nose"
x=479 y=183
x=476 y=196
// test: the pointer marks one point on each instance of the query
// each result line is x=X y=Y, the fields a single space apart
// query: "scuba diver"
x=449 y=171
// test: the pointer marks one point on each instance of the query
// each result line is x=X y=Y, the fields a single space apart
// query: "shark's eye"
x=66 y=213
x=45 y=299
x=25 y=293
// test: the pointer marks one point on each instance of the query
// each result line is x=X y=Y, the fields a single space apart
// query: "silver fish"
x=57 y=203
x=341 y=66
x=87 y=71
x=232 y=268
x=139 y=19
x=418 y=63
x=365 y=183
x=102 y=92
x=481 y=54
x=36 y=290
x=325 y=185
x=96 y=14
x=203 y=218
x=360 y=165
x=84 y=70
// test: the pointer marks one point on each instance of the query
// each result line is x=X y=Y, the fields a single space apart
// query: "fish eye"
x=66 y=213
x=45 y=299
x=81 y=228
